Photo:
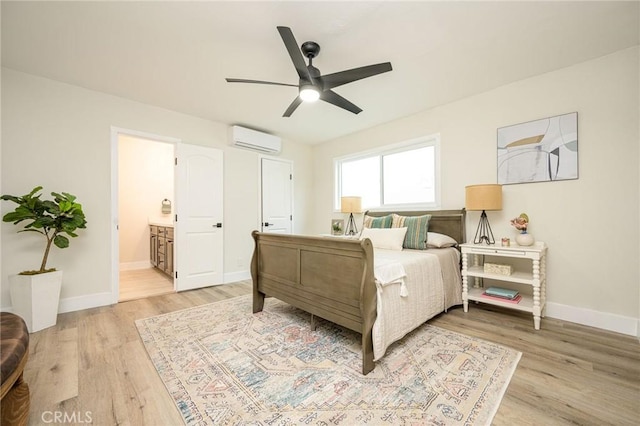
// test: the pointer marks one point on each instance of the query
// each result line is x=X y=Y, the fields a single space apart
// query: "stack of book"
x=502 y=294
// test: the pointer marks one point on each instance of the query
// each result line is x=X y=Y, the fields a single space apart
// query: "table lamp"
x=351 y=205
x=483 y=197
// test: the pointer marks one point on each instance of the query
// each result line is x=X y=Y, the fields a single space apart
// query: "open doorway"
x=146 y=194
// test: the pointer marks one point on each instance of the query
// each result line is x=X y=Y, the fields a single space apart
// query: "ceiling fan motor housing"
x=310 y=49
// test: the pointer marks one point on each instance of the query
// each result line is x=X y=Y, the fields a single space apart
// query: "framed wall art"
x=337 y=226
x=543 y=150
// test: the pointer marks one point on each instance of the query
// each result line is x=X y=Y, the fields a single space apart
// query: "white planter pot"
x=35 y=298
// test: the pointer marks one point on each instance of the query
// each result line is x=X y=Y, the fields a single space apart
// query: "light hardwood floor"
x=139 y=283
x=92 y=364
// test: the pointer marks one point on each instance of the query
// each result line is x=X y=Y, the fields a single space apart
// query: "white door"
x=277 y=183
x=199 y=232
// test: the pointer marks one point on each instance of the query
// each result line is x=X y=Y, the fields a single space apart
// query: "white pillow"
x=435 y=240
x=385 y=238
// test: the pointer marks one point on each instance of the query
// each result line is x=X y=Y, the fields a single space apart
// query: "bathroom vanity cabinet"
x=161 y=248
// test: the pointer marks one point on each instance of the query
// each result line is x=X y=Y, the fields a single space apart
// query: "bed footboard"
x=331 y=278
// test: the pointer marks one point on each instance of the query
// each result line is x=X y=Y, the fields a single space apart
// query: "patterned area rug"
x=224 y=365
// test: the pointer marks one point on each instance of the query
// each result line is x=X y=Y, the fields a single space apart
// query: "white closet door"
x=277 y=211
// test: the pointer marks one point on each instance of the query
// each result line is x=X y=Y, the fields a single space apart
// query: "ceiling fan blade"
x=294 y=52
x=295 y=104
x=343 y=77
x=337 y=100
x=242 y=80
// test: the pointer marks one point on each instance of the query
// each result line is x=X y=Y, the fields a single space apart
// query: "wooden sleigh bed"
x=332 y=278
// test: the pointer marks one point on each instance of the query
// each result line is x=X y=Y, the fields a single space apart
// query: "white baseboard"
x=232 y=277
x=72 y=304
x=131 y=266
x=603 y=320
x=591 y=318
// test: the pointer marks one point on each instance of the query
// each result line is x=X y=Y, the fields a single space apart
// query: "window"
x=404 y=175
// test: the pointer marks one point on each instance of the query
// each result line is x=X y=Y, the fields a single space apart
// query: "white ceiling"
x=176 y=55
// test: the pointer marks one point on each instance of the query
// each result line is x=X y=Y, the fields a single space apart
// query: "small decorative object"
x=539 y=151
x=506 y=242
x=337 y=225
x=497 y=268
x=521 y=223
x=35 y=294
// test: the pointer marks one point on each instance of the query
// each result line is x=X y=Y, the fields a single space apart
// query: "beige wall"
x=590 y=224
x=58 y=135
x=145 y=179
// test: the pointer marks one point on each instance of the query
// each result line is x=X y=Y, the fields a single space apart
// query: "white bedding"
x=411 y=289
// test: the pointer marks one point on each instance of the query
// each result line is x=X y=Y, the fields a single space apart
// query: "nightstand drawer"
x=496 y=251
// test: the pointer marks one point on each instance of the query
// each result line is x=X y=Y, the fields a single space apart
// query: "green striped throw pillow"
x=417 y=227
x=378 y=222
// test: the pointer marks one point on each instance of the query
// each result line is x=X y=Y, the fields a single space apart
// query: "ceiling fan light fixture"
x=309 y=93
x=312 y=84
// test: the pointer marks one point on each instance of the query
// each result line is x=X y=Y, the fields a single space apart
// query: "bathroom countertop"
x=165 y=224
x=160 y=221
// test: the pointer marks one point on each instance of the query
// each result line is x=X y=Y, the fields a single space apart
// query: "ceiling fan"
x=312 y=85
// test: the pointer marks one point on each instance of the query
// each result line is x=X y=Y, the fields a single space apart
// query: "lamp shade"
x=483 y=197
x=351 y=204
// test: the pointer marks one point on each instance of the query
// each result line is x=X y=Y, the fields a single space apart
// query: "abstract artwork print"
x=539 y=151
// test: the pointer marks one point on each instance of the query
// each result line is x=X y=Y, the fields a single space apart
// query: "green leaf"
x=70 y=197
x=34 y=190
x=68 y=228
x=61 y=241
x=11 y=198
x=15 y=217
x=65 y=206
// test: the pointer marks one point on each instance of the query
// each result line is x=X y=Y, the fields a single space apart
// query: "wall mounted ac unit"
x=253 y=139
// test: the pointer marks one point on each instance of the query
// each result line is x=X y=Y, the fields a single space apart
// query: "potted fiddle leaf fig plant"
x=35 y=294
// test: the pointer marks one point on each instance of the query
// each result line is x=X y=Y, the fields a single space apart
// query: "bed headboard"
x=448 y=222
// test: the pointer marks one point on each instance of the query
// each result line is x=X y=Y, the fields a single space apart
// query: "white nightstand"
x=533 y=274
x=347 y=237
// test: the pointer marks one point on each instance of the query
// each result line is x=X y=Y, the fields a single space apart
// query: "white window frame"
x=421 y=142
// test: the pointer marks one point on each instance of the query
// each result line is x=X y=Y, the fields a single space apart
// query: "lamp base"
x=351 y=228
x=483 y=233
